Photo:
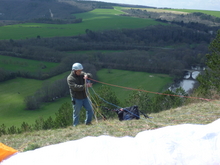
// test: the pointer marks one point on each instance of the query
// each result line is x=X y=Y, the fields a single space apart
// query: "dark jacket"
x=77 y=85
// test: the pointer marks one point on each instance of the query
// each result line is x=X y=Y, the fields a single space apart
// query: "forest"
x=170 y=48
x=166 y=49
x=149 y=49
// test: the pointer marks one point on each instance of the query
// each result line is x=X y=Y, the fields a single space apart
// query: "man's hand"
x=89 y=84
x=85 y=76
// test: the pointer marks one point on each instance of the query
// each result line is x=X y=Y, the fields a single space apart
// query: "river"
x=187 y=85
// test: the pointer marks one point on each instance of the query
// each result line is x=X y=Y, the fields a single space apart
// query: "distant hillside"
x=111 y=4
x=22 y=10
x=31 y=9
x=172 y=16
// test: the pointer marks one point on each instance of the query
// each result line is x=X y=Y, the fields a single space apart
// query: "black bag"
x=128 y=113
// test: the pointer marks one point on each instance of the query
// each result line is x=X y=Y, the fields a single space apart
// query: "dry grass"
x=161 y=10
x=166 y=11
x=195 y=113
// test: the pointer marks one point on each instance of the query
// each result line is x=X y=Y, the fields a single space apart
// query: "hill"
x=15 y=11
x=97 y=20
x=18 y=9
x=202 y=17
x=195 y=113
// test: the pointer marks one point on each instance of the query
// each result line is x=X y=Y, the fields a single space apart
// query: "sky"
x=185 y=144
x=179 y=4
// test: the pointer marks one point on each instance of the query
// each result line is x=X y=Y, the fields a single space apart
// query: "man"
x=76 y=81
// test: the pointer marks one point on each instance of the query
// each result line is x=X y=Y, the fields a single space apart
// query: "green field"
x=13 y=92
x=98 y=19
x=19 y=64
x=147 y=81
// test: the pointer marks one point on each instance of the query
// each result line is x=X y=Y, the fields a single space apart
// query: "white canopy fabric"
x=185 y=144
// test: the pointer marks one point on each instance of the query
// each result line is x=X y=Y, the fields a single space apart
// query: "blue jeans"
x=76 y=110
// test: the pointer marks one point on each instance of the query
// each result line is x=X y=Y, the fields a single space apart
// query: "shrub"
x=25 y=127
x=12 y=130
x=64 y=117
x=39 y=124
x=48 y=124
x=3 y=130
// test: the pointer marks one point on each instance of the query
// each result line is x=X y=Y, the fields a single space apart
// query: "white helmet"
x=77 y=66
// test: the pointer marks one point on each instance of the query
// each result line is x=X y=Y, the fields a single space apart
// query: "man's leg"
x=89 y=111
x=76 y=111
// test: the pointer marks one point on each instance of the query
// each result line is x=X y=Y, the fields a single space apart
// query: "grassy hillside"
x=98 y=19
x=197 y=113
x=143 y=80
x=13 y=92
x=173 y=16
x=18 y=9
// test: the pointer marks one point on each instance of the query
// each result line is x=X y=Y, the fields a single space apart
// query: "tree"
x=210 y=80
x=169 y=99
x=64 y=117
x=106 y=98
x=139 y=98
x=48 y=93
x=2 y=130
x=32 y=103
x=25 y=127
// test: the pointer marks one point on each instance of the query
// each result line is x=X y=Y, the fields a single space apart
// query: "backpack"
x=128 y=113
